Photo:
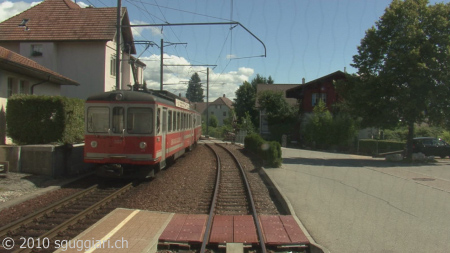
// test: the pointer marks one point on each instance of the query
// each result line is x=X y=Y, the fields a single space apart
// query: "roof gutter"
x=36 y=84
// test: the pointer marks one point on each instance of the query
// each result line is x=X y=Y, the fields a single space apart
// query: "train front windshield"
x=138 y=120
x=98 y=119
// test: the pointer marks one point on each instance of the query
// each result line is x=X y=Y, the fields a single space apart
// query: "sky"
x=285 y=39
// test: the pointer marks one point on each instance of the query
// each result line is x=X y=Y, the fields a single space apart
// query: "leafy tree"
x=246 y=98
x=403 y=67
x=245 y=102
x=195 y=91
x=213 y=121
x=280 y=115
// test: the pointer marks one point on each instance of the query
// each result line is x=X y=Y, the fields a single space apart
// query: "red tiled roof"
x=19 y=64
x=64 y=20
x=200 y=107
x=223 y=101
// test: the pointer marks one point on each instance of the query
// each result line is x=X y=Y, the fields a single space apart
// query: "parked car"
x=430 y=146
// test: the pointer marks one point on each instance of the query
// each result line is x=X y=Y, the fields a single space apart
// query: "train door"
x=163 y=137
x=117 y=131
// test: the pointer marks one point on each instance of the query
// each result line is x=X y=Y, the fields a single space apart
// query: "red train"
x=135 y=133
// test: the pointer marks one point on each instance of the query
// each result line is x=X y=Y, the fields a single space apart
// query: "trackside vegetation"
x=33 y=119
x=270 y=152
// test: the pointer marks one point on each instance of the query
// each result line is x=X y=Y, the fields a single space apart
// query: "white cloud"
x=9 y=9
x=137 y=31
x=177 y=77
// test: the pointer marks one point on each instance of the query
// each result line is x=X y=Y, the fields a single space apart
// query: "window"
x=113 y=66
x=212 y=113
x=36 y=50
x=158 y=121
x=224 y=114
x=316 y=97
x=118 y=120
x=98 y=119
x=23 y=87
x=10 y=87
x=139 y=120
x=170 y=121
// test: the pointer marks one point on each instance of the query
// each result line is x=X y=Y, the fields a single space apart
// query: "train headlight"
x=93 y=144
x=119 y=96
x=143 y=145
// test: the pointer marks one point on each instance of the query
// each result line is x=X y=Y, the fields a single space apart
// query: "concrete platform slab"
x=123 y=230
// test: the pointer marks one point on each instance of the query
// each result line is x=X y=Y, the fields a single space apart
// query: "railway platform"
x=127 y=230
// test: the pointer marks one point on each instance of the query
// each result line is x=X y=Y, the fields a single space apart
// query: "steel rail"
x=42 y=212
x=252 y=203
x=249 y=193
x=63 y=226
x=213 y=203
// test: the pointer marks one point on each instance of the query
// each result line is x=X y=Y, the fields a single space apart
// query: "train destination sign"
x=182 y=104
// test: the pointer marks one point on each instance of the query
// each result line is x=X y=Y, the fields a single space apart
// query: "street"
x=352 y=203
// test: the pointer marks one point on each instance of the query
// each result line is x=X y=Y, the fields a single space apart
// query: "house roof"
x=277 y=87
x=19 y=64
x=64 y=20
x=201 y=106
x=297 y=92
x=223 y=101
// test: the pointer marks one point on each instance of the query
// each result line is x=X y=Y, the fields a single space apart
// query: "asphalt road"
x=358 y=204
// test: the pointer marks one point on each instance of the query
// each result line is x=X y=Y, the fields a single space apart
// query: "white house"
x=20 y=75
x=79 y=43
x=221 y=108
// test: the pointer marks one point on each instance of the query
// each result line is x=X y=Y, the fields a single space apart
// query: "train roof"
x=139 y=96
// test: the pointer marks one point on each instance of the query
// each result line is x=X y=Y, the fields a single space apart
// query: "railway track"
x=40 y=228
x=232 y=193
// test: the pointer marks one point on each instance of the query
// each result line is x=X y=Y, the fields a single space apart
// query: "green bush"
x=371 y=147
x=270 y=152
x=33 y=119
x=253 y=142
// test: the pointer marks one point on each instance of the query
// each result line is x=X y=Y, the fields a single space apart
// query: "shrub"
x=270 y=152
x=33 y=119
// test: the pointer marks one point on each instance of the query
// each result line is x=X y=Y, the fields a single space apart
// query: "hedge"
x=371 y=146
x=270 y=152
x=33 y=119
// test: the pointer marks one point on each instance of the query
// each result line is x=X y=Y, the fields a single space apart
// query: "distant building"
x=221 y=108
x=79 y=43
x=309 y=94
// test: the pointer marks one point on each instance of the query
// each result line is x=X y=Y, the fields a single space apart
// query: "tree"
x=403 y=68
x=281 y=116
x=195 y=91
x=246 y=98
x=245 y=102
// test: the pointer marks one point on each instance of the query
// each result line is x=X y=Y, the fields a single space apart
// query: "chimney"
x=223 y=95
x=179 y=94
x=345 y=69
x=303 y=80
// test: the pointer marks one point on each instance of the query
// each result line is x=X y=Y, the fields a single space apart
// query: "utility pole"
x=162 y=60
x=118 y=48
x=207 y=101
x=162 y=64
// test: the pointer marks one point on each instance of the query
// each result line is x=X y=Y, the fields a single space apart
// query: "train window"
x=158 y=121
x=139 y=120
x=178 y=121
x=170 y=121
x=98 y=119
x=118 y=120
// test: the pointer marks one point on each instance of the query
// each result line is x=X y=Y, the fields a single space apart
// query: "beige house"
x=221 y=108
x=20 y=75
x=79 y=43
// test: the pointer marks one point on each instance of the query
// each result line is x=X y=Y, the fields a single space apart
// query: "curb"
x=315 y=247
